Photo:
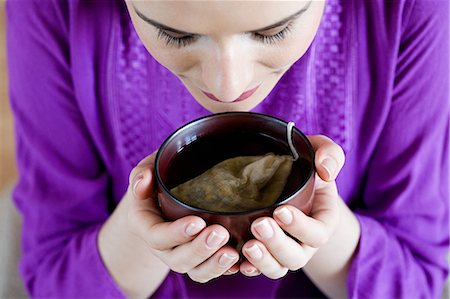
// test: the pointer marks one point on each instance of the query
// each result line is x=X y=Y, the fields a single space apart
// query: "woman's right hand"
x=139 y=247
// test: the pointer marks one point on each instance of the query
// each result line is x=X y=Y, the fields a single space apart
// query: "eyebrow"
x=275 y=25
x=285 y=20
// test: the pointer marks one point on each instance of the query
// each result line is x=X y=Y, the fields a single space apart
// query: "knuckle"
x=153 y=244
x=201 y=250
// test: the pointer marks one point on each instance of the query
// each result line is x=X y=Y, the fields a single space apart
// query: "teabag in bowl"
x=238 y=184
x=226 y=151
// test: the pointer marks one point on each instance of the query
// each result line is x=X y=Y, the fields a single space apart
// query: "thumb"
x=143 y=210
x=142 y=183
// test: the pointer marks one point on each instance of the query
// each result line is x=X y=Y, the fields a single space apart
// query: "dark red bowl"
x=202 y=143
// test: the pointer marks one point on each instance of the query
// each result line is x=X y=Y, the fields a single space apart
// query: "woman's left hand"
x=290 y=239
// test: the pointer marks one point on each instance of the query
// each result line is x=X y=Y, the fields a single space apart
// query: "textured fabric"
x=90 y=102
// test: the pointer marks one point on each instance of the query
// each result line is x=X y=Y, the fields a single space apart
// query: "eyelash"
x=277 y=37
x=178 y=42
x=184 y=41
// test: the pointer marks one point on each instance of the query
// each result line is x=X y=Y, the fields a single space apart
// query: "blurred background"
x=7 y=169
x=10 y=284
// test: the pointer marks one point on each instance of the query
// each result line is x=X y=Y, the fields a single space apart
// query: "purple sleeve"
x=404 y=216
x=62 y=190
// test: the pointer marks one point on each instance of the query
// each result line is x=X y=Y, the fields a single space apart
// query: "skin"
x=225 y=58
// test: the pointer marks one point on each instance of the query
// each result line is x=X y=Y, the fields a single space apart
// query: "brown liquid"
x=207 y=151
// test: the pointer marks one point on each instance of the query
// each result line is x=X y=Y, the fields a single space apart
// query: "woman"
x=96 y=86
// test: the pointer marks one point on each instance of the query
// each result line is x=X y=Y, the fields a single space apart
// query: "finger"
x=141 y=179
x=233 y=270
x=258 y=255
x=287 y=251
x=329 y=157
x=215 y=266
x=163 y=235
x=210 y=240
x=248 y=269
x=144 y=216
x=143 y=212
x=327 y=188
x=314 y=230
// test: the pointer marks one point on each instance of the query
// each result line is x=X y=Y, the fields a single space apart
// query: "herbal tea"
x=201 y=155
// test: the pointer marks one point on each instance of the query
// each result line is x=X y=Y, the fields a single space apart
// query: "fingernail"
x=330 y=165
x=137 y=179
x=284 y=215
x=250 y=271
x=192 y=229
x=232 y=272
x=227 y=260
x=214 y=239
x=264 y=229
x=254 y=252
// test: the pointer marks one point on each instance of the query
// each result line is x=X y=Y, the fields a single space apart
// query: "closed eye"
x=179 y=40
x=274 y=37
x=171 y=39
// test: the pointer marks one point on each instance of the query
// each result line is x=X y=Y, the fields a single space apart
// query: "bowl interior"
x=201 y=144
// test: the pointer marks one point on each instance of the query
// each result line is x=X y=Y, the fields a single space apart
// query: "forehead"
x=209 y=16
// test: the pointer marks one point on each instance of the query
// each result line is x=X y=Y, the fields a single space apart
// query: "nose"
x=228 y=72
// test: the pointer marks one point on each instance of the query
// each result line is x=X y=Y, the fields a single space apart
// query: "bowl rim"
x=226 y=114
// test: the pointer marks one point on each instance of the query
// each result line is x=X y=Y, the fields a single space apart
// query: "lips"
x=243 y=96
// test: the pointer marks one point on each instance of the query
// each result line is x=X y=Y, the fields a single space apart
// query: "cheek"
x=279 y=58
x=176 y=62
x=298 y=42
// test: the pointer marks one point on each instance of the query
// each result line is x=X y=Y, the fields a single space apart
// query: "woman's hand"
x=290 y=239
x=139 y=247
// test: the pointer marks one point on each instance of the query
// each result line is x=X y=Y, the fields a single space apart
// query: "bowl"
x=202 y=143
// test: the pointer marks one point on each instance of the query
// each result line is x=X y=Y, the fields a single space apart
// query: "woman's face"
x=228 y=54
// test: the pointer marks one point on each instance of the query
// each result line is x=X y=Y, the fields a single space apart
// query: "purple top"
x=90 y=102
